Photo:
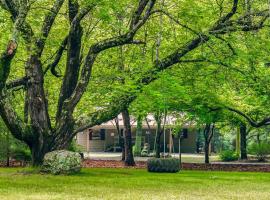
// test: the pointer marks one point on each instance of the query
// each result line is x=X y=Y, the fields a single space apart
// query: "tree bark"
x=206 y=153
x=243 y=140
x=208 y=135
x=159 y=134
x=73 y=57
x=7 y=149
x=129 y=159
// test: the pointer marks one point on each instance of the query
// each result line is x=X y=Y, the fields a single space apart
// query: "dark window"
x=90 y=134
x=185 y=133
x=102 y=134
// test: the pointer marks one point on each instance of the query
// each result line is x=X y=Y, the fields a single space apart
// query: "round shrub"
x=261 y=150
x=228 y=155
x=61 y=162
x=170 y=165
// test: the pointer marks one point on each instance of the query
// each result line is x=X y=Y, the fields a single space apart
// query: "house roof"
x=149 y=121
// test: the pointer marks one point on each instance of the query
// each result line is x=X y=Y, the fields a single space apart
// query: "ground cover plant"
x=133 y=184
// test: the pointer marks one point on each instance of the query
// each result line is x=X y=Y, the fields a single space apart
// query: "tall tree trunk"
x=120 y=138
x=38 y=110
x=129 y=159
x=243 y=138
x=158 y=144
x=208 y=135
x=7 y=149
x=159 y=134
x=73 y=57
x=206 y=153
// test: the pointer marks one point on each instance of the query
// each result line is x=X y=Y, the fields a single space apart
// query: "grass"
x=116 y=184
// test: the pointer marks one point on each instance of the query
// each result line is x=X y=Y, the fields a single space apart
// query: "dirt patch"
x=186 y=166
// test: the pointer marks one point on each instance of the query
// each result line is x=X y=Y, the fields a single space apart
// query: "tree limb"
x=251 y=121
x=47 y=25
x=17 y=83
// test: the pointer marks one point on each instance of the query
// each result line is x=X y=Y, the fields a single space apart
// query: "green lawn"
x=133 y=184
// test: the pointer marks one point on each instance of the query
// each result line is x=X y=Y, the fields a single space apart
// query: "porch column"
x=87 y=141
x=170 y=141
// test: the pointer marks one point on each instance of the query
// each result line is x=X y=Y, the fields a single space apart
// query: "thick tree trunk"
x=206 y=153
x=129 y=159
x=243 y=138
x=37 y=155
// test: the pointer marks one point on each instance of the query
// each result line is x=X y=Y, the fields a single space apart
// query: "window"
x=185 y=133
x=102 y=134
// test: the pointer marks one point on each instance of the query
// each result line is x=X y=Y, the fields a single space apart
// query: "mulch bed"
x=14 y=163
x=111 y=164
x=241 y=167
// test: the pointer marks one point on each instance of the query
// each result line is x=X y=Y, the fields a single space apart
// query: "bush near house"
x=61 y=162
x=260 y=150
x=171 y=165
x=228 y=155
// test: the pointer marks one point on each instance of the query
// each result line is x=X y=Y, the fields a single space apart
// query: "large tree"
x=45 y=129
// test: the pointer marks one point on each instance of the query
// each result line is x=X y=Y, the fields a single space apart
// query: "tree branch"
x=17 y=83
x=125 y=99
x=95 y=49
x=251 y=121
x=57 y=58
x=47 y=25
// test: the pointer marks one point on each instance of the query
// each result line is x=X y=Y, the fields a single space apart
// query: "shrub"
x=260 y=150
x=136 y=151
x=12 y=149
x=228 y=155
x=171 y=165
x=61 y=162
x=21 y=154
x=74 y=147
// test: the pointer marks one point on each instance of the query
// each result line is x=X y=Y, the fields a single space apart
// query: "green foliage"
x=261 y=150
x=61 y=162
x=11 y=148
x=21 y=154
x=171 y=165
x=228 y=155
x=74 y=147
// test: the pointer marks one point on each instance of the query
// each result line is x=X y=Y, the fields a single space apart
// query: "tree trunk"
x=206 y=153
x=243 y=138
x=208 y=135
x=129 y=159
x=158 y=144
x=37 y=156
x=120 y=138
x=7 y=150
x=158 y=137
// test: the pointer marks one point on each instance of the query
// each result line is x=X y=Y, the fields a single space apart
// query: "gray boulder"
x=61 y=162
